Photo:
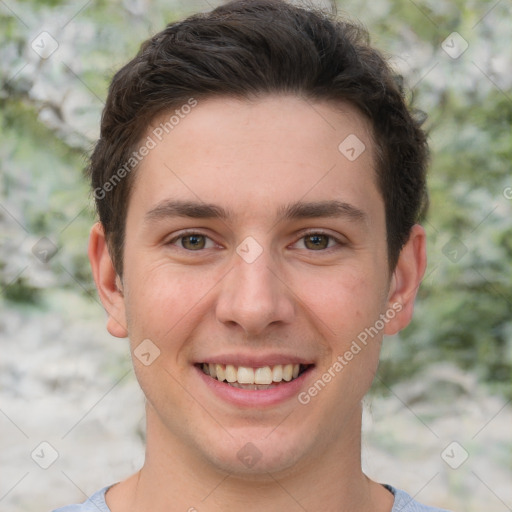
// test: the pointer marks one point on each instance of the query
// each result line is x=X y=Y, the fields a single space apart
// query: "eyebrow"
x=192 y=209
x=293 y=211
x=332 y=208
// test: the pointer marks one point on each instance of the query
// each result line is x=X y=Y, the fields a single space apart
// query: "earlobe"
x=406 y=280
x=107 y=281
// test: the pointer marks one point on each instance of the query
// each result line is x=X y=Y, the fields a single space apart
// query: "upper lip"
x=255 y=361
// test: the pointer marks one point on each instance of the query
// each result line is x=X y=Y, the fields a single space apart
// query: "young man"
x=258 y=180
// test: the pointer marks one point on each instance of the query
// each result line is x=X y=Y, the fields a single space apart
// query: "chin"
x=255 y=452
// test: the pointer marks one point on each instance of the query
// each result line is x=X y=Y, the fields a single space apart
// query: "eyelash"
x=305 y=234
x=184 y=234
x=339 y=243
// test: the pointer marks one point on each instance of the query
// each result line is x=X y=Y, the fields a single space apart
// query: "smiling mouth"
x=244 y=377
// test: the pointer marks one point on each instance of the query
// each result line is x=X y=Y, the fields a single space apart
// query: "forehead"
x=258 y=154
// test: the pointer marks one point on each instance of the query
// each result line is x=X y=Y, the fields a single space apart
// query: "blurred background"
x=437 y=422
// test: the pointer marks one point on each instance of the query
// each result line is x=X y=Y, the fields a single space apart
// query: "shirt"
x=403 y=503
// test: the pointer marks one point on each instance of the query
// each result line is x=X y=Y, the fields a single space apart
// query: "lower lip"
x=255 y=397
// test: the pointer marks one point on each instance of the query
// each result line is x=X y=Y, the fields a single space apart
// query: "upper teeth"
x=247 y=375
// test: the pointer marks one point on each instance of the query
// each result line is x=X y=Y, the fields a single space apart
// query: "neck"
x=176 y=477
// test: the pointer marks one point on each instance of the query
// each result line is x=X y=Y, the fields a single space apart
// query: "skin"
x=252 y=158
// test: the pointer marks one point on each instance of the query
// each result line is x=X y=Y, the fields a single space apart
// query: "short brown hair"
x=249 y=48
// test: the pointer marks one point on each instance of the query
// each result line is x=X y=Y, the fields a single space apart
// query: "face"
x=256 y=253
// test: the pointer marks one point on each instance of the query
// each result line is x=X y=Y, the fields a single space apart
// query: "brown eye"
x=316 y=241
x=193 y=242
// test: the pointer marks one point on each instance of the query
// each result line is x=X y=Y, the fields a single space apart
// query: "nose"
x=254 y=296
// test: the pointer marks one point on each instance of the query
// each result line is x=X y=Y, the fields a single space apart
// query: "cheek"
x=164 y=302
x=164 y=307
x=344 y=302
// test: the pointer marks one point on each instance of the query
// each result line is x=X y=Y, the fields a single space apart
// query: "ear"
x=406 y=280
x=107 y=281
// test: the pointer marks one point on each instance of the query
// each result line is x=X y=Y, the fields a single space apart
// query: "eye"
x=318 y=241
x=192 y=241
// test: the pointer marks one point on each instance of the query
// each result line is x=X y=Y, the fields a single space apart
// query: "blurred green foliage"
x=49 y=116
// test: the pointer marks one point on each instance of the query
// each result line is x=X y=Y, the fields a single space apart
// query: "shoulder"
x=406 y=503
x=403 y=503
x=96 y=503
